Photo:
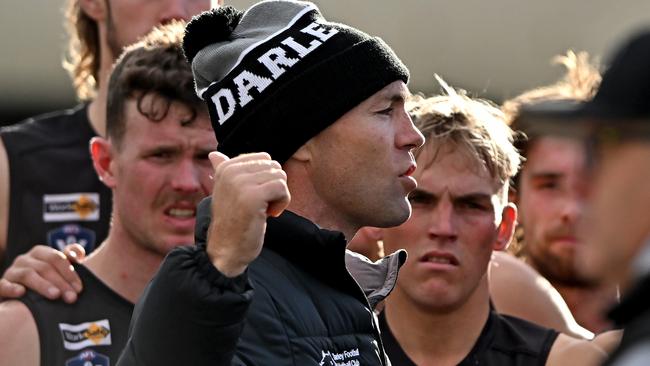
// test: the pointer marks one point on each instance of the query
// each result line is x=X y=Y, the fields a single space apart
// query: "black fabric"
x=625 y=89
x=296 y=304
x=504 y=341
x=49 y=157
x=96 y=303
x=633 y=314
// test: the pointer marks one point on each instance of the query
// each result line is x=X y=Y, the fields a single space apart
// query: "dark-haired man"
x=155 y=161
x=49 y=192
x=615 y=129
x=550 y=192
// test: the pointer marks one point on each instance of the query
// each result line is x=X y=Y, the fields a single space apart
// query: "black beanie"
x=278 y=74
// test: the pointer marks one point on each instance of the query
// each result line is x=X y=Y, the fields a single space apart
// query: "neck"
x=306 y=202
x=123 y=265
x=437 y=337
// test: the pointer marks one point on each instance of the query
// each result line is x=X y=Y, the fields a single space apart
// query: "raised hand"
x=247 y=189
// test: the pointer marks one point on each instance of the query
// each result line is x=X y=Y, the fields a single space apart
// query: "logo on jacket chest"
x=345 y=358
x=88 y=358
x=78 y=336
x=64 y=235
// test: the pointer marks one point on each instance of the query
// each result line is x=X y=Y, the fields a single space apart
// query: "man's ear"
x=303 y=154
x=506 y=229
x=97 y=10
x=101 y=151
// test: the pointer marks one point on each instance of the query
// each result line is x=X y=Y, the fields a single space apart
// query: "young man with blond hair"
x=440 y=312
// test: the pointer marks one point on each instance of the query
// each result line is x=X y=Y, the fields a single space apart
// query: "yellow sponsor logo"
x=96 y=333
x=84 y=206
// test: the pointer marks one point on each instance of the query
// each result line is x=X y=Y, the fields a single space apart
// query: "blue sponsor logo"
x=88 y=358
x=69 y=234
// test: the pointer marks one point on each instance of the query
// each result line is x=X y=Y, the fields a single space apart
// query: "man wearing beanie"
x=314 y=143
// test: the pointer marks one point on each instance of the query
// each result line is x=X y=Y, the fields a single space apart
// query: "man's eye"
x=386 y=111
x=161 y=155
x=472 y=205
x=418 y=199
x=547 y=185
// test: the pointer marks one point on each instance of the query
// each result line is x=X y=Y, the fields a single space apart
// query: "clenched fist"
x=247 y=189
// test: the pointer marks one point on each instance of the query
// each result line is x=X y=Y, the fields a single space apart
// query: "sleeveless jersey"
x=55 y=197
x=504 y=341
x=92 y=331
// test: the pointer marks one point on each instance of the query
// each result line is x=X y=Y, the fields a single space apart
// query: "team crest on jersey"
x=345 y=358
x=88 y=358
x=69 y=234
x=71 y=207
x=78 y=336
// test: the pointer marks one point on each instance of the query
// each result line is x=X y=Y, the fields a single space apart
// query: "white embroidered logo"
x=345 y=358
x=276 y=60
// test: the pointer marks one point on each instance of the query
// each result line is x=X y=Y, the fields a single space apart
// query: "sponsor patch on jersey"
x=88 y=358
x=69 y=234
x=71 y=207
x=345 y=358
x=78 y=336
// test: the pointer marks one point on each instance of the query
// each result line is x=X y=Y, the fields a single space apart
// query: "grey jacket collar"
x=377 y=279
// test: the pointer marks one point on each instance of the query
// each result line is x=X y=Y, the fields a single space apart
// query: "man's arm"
x=517 y=289
x=576 y=352
x=190 y=314
x=193 y=311
x=19 y=342
x=4 y=199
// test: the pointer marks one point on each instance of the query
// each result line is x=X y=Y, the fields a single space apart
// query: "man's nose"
x=186 y=177
x=409 y=136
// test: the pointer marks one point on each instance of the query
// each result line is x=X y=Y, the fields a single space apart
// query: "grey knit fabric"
x=260 y=22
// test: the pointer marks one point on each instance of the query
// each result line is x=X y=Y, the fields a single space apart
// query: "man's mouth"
x=409 y=171
x=441 y=258
x=181 y=213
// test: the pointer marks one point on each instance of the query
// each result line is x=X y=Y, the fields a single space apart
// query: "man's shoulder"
x=57 y=127
x=18 y=335
x=14 y=312
x=513 y=334
x=573 y=351
x=96 y=300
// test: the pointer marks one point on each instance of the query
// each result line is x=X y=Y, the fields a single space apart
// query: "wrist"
x=228 y=265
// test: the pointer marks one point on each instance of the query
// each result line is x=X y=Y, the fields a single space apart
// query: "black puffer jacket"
x=296 y=304
x=633 y=314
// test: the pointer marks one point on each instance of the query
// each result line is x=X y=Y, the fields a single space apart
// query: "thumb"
x=216 y=158
x=9 y=290
x=74 y=252
x=276 y=207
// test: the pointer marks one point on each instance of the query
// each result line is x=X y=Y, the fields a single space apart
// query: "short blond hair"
x=477 y=126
